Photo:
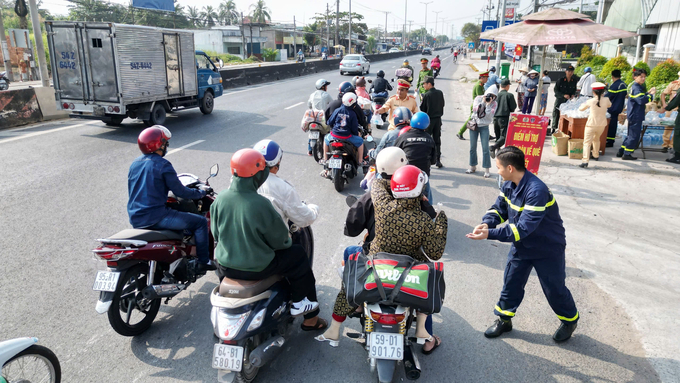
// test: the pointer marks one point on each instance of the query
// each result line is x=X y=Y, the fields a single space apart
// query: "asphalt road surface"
x=64 y=184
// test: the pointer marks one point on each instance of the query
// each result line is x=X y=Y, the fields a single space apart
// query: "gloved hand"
x=207 y=189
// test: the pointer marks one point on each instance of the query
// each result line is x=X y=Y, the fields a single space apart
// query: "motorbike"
x=300 y=59
x=342 y=162
x=147 y=266
x=377 y=101
x=436 y=71
x=252 y=320
x=4 y=81
x=316 y=137
x=23 y=360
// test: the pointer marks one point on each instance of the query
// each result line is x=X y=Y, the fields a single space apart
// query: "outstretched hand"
x=480 y=232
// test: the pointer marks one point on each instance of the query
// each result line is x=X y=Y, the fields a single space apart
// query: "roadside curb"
x=474 y=68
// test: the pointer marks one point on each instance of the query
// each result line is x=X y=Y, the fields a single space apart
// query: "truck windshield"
x=202 y=62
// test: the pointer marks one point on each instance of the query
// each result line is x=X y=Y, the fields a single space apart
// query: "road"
x=64 y=184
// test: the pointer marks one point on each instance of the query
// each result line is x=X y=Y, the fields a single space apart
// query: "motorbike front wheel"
x=34 y=364
x=130 y=313
x=338 y=181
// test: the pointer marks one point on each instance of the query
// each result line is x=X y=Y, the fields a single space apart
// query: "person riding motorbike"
x=149 y=179
x=455 y=56
x=402 y=98
x=436 y=66
x=419 y=147
x=300 y=56
x=361 y=88
x=320 y=99
x=253 y=243
x=405 y=64
x=401 y=118
x=380 y=86
x=401 y=227
x=345 y=126
x=343 y=89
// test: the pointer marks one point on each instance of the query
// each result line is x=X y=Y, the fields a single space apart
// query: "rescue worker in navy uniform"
x=636 y=113
x=538 y=241
x=616 y=93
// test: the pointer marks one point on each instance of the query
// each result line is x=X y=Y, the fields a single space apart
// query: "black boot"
x=609 y=145
x=564 y=332
x=583 y=165
x=498 y=327
x=628 y=157
x=620 y=153
x=674 y=160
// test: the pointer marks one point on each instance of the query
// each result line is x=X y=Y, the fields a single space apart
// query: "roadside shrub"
x=586 y=55
x=597 y=60
x=269 y=54
x=619 y=63
x=663 y=73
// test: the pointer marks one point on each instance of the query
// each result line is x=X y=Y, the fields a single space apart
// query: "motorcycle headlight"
x=227 y=325
x=257 y=320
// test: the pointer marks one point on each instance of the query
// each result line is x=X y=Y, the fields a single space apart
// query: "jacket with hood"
x=247 y=228
x=419 y=147
x=343 y=123
x=287 y=202
x=488 y=109
x=361 y=117
x=319 y=100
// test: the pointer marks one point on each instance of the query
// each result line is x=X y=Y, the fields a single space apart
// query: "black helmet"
x=381 y=73
x=346 y=87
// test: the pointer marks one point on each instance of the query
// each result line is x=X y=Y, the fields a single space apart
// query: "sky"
x=453 y=12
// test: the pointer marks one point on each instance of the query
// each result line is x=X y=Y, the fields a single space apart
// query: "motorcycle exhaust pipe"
x=411 y=364
x=267 y=351
x=163 y=291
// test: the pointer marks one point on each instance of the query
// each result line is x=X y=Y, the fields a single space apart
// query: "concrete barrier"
x=48 y=104
x=19 y=107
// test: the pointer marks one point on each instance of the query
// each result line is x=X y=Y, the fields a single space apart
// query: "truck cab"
x=208 y=76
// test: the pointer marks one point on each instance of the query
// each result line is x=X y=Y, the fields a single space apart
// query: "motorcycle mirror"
x=214 y=170
x=350 y=200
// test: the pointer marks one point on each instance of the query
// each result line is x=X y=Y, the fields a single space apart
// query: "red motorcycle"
x=146 y=266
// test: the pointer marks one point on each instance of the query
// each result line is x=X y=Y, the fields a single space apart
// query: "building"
x=665 y=20
x=230 y=39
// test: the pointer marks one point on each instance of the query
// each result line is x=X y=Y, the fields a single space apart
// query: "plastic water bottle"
x=647 y=140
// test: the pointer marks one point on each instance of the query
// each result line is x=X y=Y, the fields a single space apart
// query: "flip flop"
x=437 y=343
x=321 y=324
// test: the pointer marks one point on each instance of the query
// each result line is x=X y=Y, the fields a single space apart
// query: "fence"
x=656 y=57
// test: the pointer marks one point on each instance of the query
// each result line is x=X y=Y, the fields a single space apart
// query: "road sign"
x=512 y=4
x=509 y=13
x=471 y=45
x=490 y=25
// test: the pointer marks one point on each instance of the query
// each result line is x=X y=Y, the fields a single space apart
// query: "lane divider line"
x=293 y=106
x=34 y=134
x=184 y=147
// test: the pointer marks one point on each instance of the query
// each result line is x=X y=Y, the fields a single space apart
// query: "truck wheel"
x=207 y=103
x=114 y=121
x=157 y=115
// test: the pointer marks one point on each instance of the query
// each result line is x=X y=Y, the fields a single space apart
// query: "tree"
x=195 y=16
x=311 y=38
x=209 y=16
x=357 y=26
x=260 y=13
x=442 y=39
x=371 y=44
x=470 y=32
x=228 y=15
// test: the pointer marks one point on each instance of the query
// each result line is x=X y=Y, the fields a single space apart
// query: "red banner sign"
x=509 y=13
x=527 y=132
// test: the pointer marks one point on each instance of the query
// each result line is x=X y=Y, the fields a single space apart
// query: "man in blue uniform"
x=617 y=95
x=538 y=241
x=636 y=113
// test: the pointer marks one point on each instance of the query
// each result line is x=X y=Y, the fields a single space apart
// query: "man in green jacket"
x=506 y=105
x=675 y=102
x=478 y=90
x=253 y=242
x=424 y=73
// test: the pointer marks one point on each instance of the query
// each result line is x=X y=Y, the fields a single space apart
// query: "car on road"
x=394 y=50
x=427 y=51
x=355 y=64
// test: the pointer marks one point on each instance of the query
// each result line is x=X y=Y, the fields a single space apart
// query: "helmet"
x=408 y=182
x=402 y=115
x=389 y=160
x=406 y=62
x=404 y=130
x=381 y=73
x=354 y=81
x=270 y=150
x=420 y=121
x=346 y=87
x=246 y=163
x=361 y=82
x=588 y=69
x=493 y=69
x=320 y=83
x=349 y=99
x=153 y=138
x=437 y=56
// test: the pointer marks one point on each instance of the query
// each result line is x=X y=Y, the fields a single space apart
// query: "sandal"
x=321 y=324
x=471 y=170
x=333 y=342
x=437 y=343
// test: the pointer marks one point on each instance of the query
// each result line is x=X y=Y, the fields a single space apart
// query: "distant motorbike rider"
x=401 y=118
x=436 y=66
x=345 y=126
x=150 y=178
x=402 y=98
x=406 y=65
x=320 y=99
x=419 y=147
x=253 y=243
x=380 y=86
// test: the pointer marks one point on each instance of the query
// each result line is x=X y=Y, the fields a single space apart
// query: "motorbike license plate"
x=386 y=346
x=106 y=281
x=226 y=357
x=335 y=163
x=314 y=135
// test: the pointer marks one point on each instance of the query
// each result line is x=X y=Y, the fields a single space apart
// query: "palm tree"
x=228 y=13
x=195 y=16
x=209 y=15
x=260 y=13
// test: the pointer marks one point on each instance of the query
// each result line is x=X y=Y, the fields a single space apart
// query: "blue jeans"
x=427 y=192
x=196 y=224
x=482 y=133
x=355 y=140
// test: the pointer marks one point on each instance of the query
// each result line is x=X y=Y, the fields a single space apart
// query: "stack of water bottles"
x=653 y=137
x=570 y=108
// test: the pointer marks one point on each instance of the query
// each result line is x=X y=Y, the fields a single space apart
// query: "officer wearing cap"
x=477 y=90
x=424 y=73
x=402 y=98
x=433 y=105
x=565 y=89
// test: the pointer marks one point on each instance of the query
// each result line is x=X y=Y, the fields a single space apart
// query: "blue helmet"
x=588 y=69
x=402 y=116
x=346 y=87
x=271 y=151
x=420 y=121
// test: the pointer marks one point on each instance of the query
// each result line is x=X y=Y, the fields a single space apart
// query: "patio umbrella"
x=555 y=26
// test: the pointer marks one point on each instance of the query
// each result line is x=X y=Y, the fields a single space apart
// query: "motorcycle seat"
x=149 y=235
x=379 y=100
x=238 y=288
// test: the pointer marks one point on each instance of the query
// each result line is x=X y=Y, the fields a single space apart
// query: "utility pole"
x=499 y=44
x=386 y=13
x=600 y=12
x=35 y=20
x=403 y=35
x=337 y=22
x=425 y=36
x=580 y=7
x=536 y=6
x=243 y=37
x=435 y=22
x=5 y=52
x=349 y=49
x=328 y=32
x=294 y=38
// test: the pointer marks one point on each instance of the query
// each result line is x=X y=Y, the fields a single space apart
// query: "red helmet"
x=153 y=138
x=408 y=182
x=245 y=163
x=404 y=130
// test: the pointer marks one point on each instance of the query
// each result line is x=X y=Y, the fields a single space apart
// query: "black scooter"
x=252 y=320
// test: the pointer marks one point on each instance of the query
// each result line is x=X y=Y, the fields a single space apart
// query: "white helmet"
x=389 y=160
x=320 y=83
x=349 y=99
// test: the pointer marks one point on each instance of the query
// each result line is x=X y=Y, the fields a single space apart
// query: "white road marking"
x=34 y=134
x=293 y=106
x=183 y=147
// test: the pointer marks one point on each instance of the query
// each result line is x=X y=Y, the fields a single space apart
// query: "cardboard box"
x=560 y=144
x=575 y=149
